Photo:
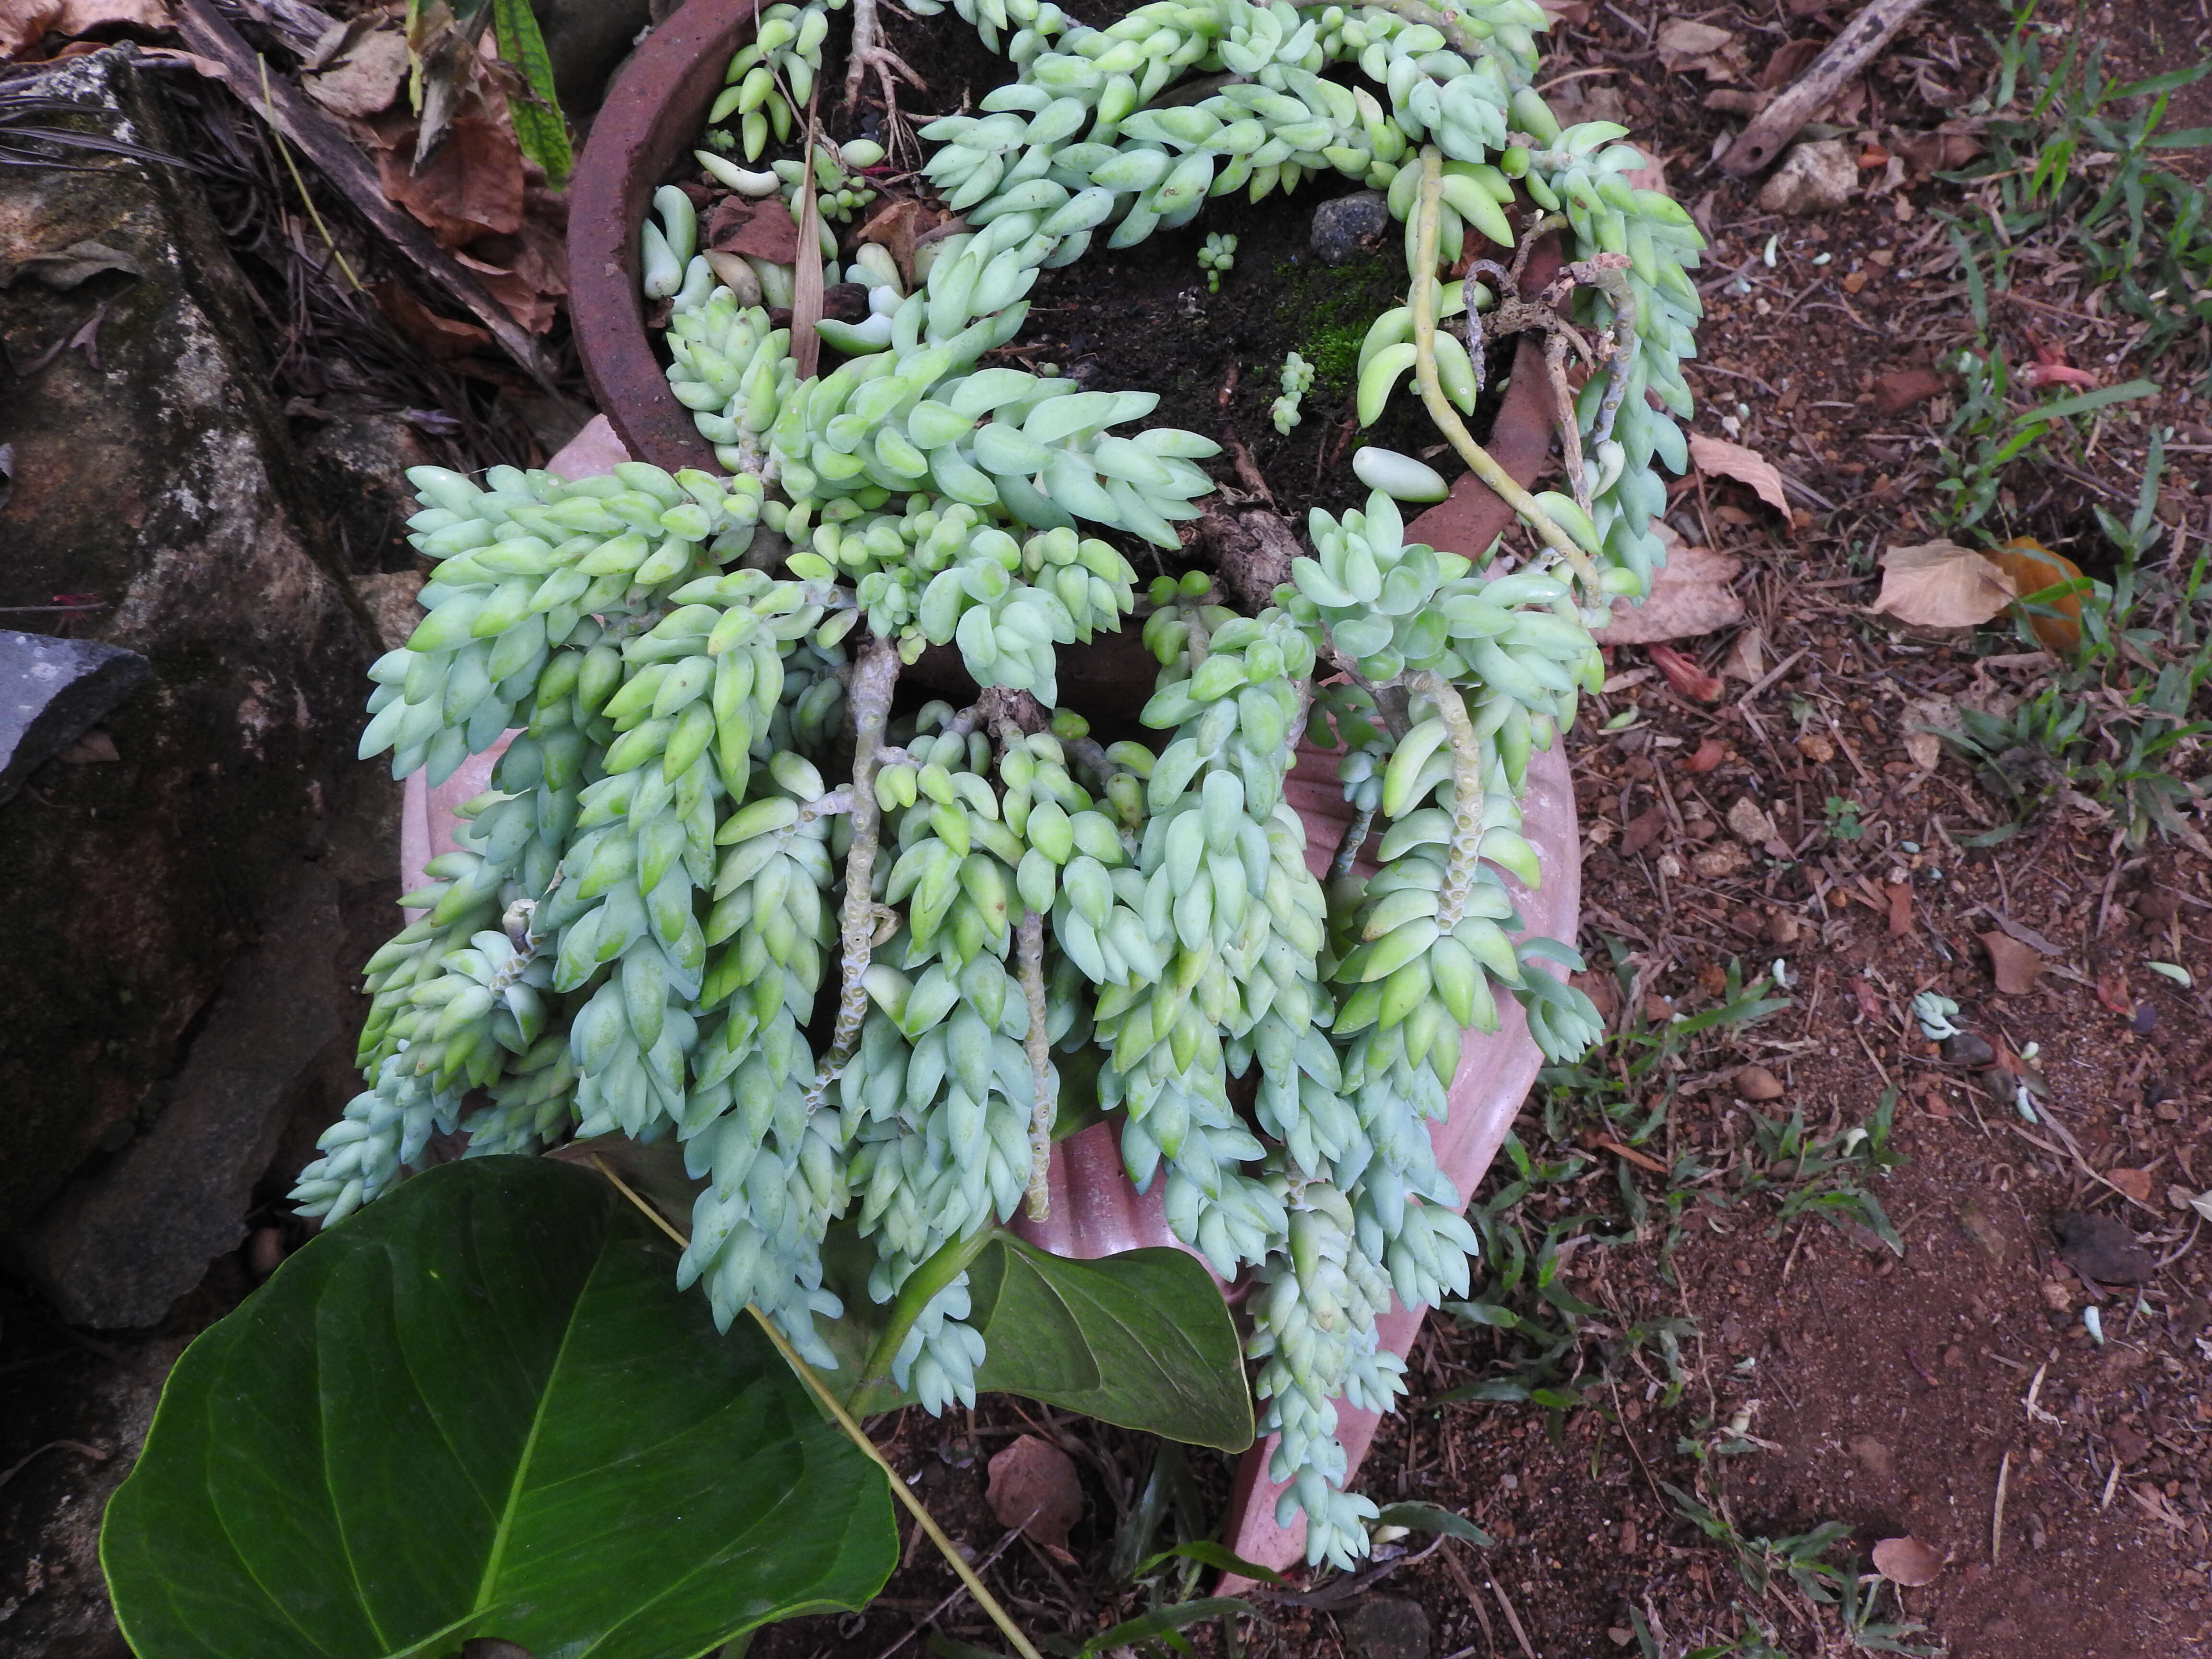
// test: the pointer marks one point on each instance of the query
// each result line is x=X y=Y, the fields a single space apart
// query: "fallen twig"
x=1847 y=54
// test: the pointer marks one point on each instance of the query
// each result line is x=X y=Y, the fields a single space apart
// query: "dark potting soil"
x=1142 y=319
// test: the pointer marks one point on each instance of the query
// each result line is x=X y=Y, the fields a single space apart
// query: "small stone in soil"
x=1345 y=228
x=1757 y=1083
x=1967 y=1048
x=2101 y=1248
x=1974 y=1221
x=1388 y=1627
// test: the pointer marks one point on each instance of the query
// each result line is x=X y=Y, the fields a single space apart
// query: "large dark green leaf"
x=480 y=1407
x=1142 y=1339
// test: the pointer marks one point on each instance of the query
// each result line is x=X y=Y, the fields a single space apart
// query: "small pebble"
x=1757 y=1083
x=1967 y=1048
x=1345 y=228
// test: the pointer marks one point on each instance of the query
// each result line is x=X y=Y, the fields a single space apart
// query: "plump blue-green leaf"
x=1149 y=1325
x=480 y=1407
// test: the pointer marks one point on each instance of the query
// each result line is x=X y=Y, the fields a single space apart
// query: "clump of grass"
x=1557 y=1349
x=2073 y=162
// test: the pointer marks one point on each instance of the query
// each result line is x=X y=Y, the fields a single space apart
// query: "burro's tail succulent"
x=851 y=960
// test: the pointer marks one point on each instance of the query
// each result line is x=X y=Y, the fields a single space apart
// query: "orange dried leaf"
x=2033 y=566
x=1710 y=753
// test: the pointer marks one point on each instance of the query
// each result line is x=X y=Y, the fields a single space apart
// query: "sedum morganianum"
x=720 y=894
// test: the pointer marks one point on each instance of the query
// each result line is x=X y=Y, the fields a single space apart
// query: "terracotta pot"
x=652 y=117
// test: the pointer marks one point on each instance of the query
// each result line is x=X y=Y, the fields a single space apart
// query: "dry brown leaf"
x=1900 y=894
x=24 y=23
x=896 y=225
x=525 y=272
x=2033 y=566
x=1907 y=1561
x=1684 y=674
x=1690 y=596
x=365 y=81
x=1034 y=1487
x=1747 y=658
x=1643 y=831
x=1718 y=457
x=763 y=229
x=1788 y=61
x=1921 y=745
x=1684 y=45
x=1939 y=584
x=444 y=337
x=2135 y=1183
x=2016 y=966
x=1939 y=151
x=472 y=187
x=1901 y=389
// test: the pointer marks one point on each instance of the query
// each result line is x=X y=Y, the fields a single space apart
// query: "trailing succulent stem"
x=680 y=884
x=868 y=703
x=1479 y=461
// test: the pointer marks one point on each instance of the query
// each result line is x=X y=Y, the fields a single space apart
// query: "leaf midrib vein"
x=496 y=1559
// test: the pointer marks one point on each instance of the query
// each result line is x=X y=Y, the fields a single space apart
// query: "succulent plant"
x=720 y=894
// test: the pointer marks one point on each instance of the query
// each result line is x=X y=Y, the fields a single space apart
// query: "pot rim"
x=656 y=107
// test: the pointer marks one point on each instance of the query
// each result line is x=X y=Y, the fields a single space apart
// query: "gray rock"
x=1814 y=178
x=1967 y=1048
x=1345 y=228
x=156 y=478
x=51 y=690
x=1388 y=1627
x=118 y=1247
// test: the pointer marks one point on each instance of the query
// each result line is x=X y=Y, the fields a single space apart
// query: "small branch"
x=1480 y=461
x=1355 y=837
x=869 y=698
x=1252 y=553
x=1464 y=854
x=859 y=1437
x=1013 y=714
x=1570 y=436
x=1028 y=950
x=1847 y=54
